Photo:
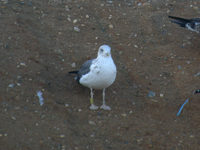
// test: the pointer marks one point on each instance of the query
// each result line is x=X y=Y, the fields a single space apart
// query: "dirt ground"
x=41 y=40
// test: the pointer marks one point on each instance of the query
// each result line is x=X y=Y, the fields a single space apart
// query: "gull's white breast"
x=102 y=74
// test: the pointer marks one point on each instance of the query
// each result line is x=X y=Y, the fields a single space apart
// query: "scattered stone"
x=66 y=105
x=77 y=29
x=179 y=67
x=110 y=26
x=91 y=122
x=11 y=85
x=66 y=8
x=161 y=95
x=124 y=115
x=197 y=74
x=62 y=136
x=151 y=94
x=41 y=99
x=87 y=16
x=75 y=21
x=13 y=118
x=73 y=65
x=22 y=64
x=191 y=136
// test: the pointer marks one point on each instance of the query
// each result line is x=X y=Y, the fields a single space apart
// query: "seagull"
x=98 y=73
x=191 y=24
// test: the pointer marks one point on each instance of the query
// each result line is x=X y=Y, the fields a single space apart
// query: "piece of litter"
x=41 y=99
x=179 y=112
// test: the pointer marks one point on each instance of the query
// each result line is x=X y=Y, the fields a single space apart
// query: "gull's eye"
x=101 y=50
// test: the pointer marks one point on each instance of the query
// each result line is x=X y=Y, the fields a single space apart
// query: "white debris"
x=41 y=99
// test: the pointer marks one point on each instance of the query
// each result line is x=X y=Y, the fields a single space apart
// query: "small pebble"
x=197 y=74
x=22 y=64
x=151 y=94
x=91 y=122
x=11 y=85
x=87 y=16
x=77 y=29
x=73 y=65
x=13 y=118
x=62 y=136
x=66 y=8
x=161 y=95
x=110 y=26
x=139 y=4
x=123 y=115
x=191 y=136
x=75 y=21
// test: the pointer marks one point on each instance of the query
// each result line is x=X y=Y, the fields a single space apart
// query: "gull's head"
x=104 y=51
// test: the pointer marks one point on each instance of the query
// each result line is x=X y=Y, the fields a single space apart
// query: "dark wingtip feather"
x=73 y=72
x=180 y=21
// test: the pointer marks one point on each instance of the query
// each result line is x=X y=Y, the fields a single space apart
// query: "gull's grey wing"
x=191 y=24
x=85 y=68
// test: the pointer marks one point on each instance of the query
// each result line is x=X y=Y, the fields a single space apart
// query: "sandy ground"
x=41 y=40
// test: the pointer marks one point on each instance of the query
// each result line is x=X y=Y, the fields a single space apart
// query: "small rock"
x=151 y=94
x=22 y=64
x=62 y=136
x=11 y=85
x=73 y=65
x=66 y=105
x=123 y=115
x=191 y=136
x=197 y=74
x=87 y=16
x=110 y=17
x=69 y=19
x=91 y=122
x=66 y=8
x=75 y=21
x=13 y=118
x=161 y=95
x=77 y=29
x=110 y=26
x=139 y=4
